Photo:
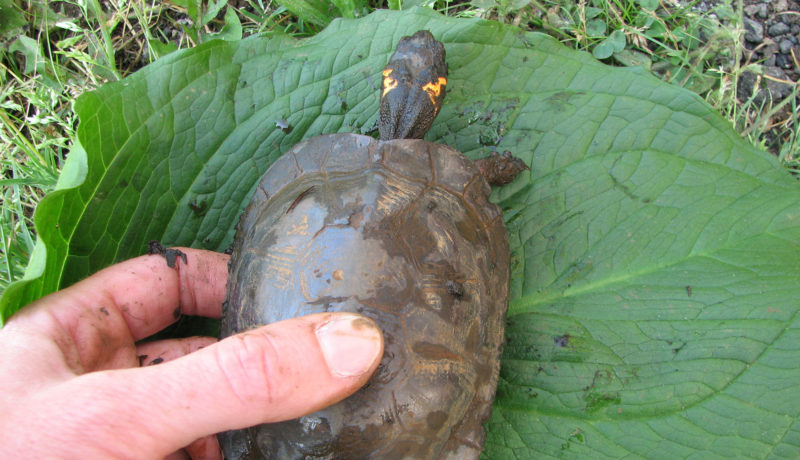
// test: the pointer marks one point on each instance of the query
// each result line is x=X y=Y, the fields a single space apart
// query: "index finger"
x=147 y=293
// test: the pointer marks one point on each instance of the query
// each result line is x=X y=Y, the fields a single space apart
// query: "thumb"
x=273 y=373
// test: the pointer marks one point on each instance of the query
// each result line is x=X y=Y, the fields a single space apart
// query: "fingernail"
x=350 y=344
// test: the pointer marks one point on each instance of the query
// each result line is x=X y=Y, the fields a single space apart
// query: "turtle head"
x=413 y=87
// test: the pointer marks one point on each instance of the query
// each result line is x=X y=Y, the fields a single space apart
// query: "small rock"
x=758 y=10
x=768 y=89
x=769 y=47
x=745 y=85
x=779 y=6
x=783 y=61
x=778 y=28
x=785 y=46
x=778 y=89
x=763 y=13
x=796 y=29
x=753 y=31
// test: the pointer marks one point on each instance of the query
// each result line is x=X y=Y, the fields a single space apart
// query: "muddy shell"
x=401 y=231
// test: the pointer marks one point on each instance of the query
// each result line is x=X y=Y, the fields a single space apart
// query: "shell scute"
x=409 y=158
x=453 y=170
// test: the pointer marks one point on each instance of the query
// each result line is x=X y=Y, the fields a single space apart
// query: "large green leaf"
x=655 y=256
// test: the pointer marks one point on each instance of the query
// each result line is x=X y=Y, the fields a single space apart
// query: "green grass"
x=36 y=125
x=71 y=47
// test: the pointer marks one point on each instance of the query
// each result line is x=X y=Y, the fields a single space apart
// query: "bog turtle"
x=400 y=230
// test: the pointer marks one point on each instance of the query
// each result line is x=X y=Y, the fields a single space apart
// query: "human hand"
x=72 y=385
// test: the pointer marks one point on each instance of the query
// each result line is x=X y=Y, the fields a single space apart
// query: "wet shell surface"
x=401 y=231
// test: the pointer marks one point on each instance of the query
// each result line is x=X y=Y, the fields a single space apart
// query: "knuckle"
x=248 y=368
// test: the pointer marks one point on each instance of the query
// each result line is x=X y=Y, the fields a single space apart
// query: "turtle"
x=400 y=230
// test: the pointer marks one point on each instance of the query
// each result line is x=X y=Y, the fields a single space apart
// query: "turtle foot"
x=501 y=169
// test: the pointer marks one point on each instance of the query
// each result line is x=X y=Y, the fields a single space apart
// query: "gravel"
x=772 y=39
x=771 y=36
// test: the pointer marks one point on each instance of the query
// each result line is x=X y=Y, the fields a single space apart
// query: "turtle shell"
x=401 y=231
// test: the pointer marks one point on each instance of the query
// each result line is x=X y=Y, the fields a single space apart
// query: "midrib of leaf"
x=589 y=424
x=531 y=409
